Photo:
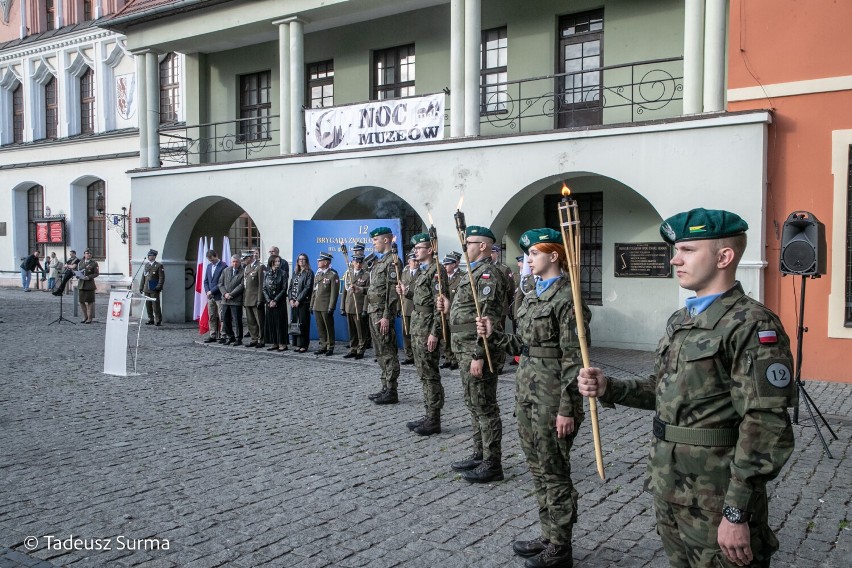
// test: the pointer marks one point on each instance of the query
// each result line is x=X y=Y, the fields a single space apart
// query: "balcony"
x=614 y=95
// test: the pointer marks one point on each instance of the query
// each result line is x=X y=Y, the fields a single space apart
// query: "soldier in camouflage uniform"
x=425 y=328
x=382 y=309
x=454 y=274
x=353 y=304
x=478 y=381
x=721 y=388
x=549 y=406
x=407 y=276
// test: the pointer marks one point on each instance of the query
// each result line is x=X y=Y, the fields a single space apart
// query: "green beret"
x=477 y=231
x=420 y=238
x=701 y=224
x=380 y=231
x=536 y=236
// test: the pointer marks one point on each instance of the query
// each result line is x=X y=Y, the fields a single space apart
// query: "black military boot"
x=376 y=395
x=390 y=397
x=486 y=472
x=432 y=425
x=554 y=556
x=473 y=461
x=527 y=548
x=415 y=423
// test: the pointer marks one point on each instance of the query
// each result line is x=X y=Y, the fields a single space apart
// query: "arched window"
x=96 y=224
x=18 y=114
x=170 y=88
x=35 y=210
x=51 y=109
x=87 y=102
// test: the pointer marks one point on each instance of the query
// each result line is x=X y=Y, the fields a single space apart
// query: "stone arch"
x=20 y=223
x=372 y=202
x=631 y=311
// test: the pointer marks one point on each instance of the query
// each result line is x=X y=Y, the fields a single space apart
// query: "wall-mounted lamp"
x=113 y=219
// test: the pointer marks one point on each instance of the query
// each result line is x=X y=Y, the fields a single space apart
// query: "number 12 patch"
x=778 y=375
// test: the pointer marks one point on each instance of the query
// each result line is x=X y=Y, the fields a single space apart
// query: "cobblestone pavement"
x=241 y=458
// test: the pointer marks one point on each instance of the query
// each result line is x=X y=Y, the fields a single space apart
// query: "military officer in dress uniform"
x=454 y=274
x=359 y=249
x=382 y=309
x=479 y=382
x=153 y=278
x=356 y=280
x=425 y=328
x=253 y=300
x=721 y=388
x=86 y=288
x=496 y=250
x=324 y=302
x=407 y=277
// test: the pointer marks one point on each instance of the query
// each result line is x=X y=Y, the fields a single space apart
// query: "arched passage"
x=627 y=312
x=210 y=216
x=369 y=202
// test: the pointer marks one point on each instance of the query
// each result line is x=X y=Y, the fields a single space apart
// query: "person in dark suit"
x=214 y=295
x=274 y=295
x=301 y=289
x=232 y=286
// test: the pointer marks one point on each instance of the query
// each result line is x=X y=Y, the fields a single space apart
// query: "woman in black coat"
x=301 y=288
x=275 y=300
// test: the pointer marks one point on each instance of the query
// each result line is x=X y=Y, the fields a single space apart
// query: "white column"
x=472 y=39
x=142 y=106
x=60 y=14
x=715 y=22
x=23 y=7
x=283 y=85
x=98 y=10
x=456 y=68
x=297 y=86
x=152 y=90
x=693 y=57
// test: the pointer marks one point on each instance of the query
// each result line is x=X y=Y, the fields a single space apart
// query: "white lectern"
x=116 y=345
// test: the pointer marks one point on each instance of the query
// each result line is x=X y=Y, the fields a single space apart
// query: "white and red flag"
x=199 y=308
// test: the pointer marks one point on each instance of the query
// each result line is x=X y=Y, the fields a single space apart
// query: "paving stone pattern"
x=244 y=458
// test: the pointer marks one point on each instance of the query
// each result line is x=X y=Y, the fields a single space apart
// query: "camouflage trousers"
x=386 y=351
x=480 y=397
x=430 y=376
x=689 y=535
x=548 y=458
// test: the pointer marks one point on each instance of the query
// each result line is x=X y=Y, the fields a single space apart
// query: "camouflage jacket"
x=547 y=326
x=727 y=368
x=490 y=285
x=355 y=291
x=425 y=319
x=381 y=295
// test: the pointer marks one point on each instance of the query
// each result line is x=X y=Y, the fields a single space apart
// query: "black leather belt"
x=541 y=352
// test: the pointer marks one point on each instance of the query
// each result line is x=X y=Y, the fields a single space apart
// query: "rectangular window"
x=321 y=84
x=393 y=73
x=96 y=223
x=35 y=210
x=590 y=210
x=494 y=55
x=170 y=88
x=87 y=102
x=49 y=14
x=847 y=321
x=579 y=101
x=87 y=10
x=243 y=234
x=255 y=106
x=18 y=114
x=51 y=109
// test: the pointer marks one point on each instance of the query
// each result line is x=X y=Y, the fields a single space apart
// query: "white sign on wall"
x=375 y=124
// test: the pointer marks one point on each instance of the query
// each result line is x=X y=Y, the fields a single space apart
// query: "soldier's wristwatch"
x=734 y=515
x=476 y=357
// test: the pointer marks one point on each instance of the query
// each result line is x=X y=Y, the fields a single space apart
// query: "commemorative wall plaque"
x=642 y=260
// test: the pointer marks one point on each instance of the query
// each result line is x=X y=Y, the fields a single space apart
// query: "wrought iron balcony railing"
x=241 y=139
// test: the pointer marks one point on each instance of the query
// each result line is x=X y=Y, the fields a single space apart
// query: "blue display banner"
x=314 y=237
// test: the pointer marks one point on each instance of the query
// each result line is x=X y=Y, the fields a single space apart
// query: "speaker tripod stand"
x=803 y=394
x=61 y=319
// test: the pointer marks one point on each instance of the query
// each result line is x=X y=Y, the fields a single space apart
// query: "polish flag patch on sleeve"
x=767 y=337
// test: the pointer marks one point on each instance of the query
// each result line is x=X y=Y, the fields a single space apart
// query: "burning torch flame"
x=461 y=200
x=565 y=191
